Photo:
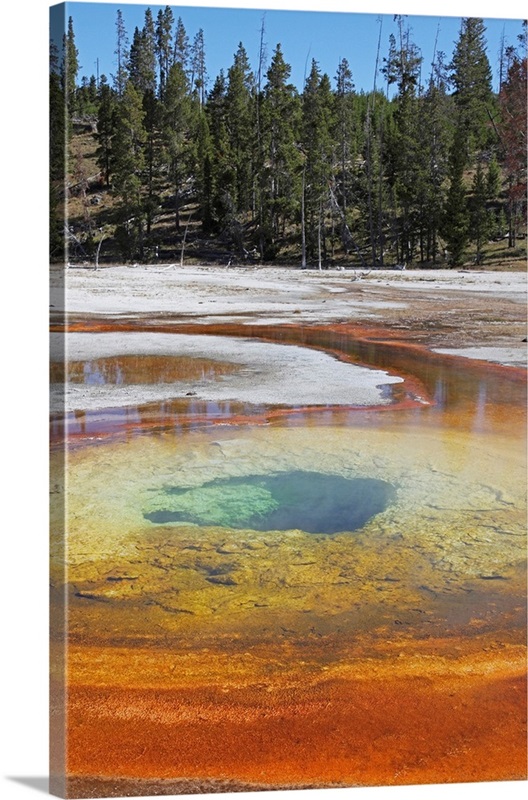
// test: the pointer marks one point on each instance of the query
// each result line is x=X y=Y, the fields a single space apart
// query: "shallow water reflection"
x=132 y=369
x=438 y=390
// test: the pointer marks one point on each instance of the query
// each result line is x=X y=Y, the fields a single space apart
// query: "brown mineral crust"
x=465 y=721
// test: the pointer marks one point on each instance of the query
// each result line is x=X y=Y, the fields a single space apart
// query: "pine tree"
x=375 y=127
x=404 y=174
x=57 y=157
x=344 y=127
x=512 y=130
x=178 y=133
x=282 y=158
x=239 y=121
x=153 y=156
x=71 y=68
x=434 y=135
x=471 y=79
x=129 y=138
x=164 y=48
x=367 y=201
x=479 y=220
x=105 y=128
x=142 y=65
x=57 y=117
x=142 y=59
x=86 y=97
x=121 y=52
x=127 y=167
x=181 y=45
x=493 y=179
x=456 y=219
x=318 y=146
x=259 y=177
x=222 y=174
x=199 y=75
x=205 y=173
x=135 y=62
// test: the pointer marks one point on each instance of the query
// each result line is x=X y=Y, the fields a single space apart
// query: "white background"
x=23 y=371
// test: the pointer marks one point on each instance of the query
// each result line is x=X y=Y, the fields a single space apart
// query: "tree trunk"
x=319 y=261
x=96 y=265
x=303 y=223
x=182 y=254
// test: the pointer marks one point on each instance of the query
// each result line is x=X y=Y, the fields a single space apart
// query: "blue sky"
x=325 y=36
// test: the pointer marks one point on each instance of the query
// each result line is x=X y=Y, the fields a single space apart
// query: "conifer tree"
x=142 y=58
x=129 y=138
x=121 y=53
x=513 y=130
x=199 y=75
x=282 y=159
x=471 y=79
x=373 y=179
x=239 y=118
x=153 y=156
x=177 y=133
x=403 y=69
x=57 y=156
x=434 y=134
x=127 y=166
x=205 y=173
x=181 y=45
x=57 y=118
x=142 y=72
x=259 y=162
x=318 y=146
x=222 y=173
x=105 y=128
x=135 y=65
x=71 y=68
x=344 y=128
x=86 y=97
x=456 y=219
x=164 y=47
x=493 y=179
x=479 y=220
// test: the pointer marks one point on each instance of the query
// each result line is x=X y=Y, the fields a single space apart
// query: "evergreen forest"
x=164 y=162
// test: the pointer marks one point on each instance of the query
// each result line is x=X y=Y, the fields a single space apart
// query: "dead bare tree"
x=185 y=238
x=96 y=262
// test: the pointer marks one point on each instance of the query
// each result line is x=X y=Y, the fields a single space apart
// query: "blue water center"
x=313 y=502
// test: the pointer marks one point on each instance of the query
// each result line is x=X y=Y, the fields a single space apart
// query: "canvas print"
x=288 y=399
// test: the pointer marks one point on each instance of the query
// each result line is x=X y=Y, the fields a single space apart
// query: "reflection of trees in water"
x=134 y=369
x=455 y=384
x=473 y=394
x=80 y=419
